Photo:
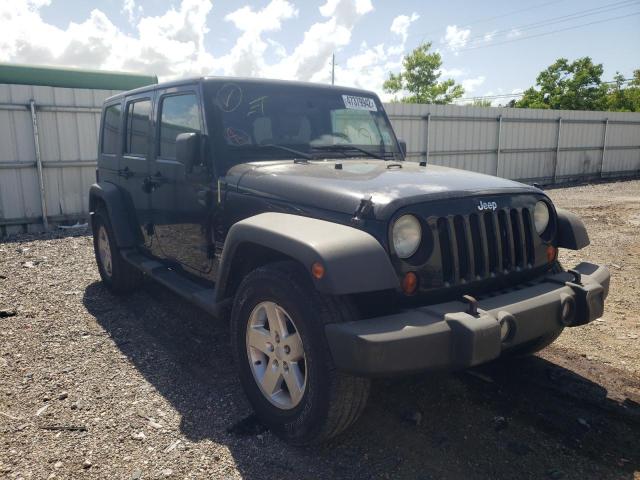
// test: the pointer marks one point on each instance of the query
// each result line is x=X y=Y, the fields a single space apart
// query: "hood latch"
x=365 y=207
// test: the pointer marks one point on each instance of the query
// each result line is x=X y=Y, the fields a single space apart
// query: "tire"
x=119 y=276
x=533 y=346
x=327 y=401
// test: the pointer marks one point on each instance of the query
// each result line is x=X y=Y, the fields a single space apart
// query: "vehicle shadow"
x=523 y=419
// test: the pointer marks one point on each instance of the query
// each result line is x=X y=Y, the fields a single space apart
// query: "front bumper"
x=451 y=336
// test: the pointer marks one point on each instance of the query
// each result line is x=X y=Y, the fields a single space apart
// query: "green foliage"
x=567 y=86
x=578 y=86
x=624 y=99
x=479 y=102
x=420 y=77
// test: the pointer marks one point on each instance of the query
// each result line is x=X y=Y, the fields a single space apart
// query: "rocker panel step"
x=193 y=292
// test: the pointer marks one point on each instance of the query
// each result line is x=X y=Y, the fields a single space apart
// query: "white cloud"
x=268 y=19
x=489 y=35
x=514 y=32
x=168 y=45
x=456 y=38
x=470 y=84
x=172 y=44
x=131 y=10
x=451 y=72
x=400 y=25
x=309 y=59
x=246 y=57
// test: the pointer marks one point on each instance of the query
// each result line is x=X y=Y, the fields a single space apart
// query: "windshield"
x=262 y=121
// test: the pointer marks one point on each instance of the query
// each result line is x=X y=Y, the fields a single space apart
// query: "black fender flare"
x=572 y=233
x=354 y=260
x=119 y=212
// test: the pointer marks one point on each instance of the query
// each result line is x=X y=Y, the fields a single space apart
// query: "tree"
x=568 y=86
x=480 y=102
x=624 y=99
x=420 y=79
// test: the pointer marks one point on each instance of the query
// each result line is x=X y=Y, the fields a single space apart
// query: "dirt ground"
x=96 y=386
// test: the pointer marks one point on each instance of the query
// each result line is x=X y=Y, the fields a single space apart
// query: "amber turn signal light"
x=317 y=270
x=409 y=283
x=552 y=253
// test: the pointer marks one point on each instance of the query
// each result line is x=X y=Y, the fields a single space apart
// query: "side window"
x=137 y=127
x=179 y=114
x=111 y=130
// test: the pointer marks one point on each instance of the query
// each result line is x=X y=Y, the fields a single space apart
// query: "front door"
x=133 y=168
x=181 y=199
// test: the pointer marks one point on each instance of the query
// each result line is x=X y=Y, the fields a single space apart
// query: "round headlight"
x=541 y=217
x=407 y=234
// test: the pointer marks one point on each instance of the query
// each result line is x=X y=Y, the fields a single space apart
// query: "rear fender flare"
x=121 y=212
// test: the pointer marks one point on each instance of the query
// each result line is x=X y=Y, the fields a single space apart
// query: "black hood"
x=390 y=185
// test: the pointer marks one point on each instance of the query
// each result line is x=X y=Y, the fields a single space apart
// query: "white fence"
x=48 y=146
x=48 y=151
x=544 y=146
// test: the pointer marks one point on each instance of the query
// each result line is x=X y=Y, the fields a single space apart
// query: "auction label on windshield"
x=359 y=103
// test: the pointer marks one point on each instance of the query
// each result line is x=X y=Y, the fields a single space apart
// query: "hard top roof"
x=284 y=83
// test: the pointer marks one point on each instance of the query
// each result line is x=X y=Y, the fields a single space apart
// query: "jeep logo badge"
x=487 y=205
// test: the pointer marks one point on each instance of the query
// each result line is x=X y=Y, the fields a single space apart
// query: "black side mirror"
x=403 y=147
x=188 y=150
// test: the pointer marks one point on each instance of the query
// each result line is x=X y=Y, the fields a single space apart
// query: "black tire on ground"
x=120 y=277
x=332 y=400
x=533 y=346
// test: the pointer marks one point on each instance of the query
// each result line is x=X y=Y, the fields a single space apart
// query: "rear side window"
x=179 y=114
x=138 y=127
x=111 y=129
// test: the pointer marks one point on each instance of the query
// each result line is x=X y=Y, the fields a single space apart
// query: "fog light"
x=504 y=330
x=409 y=283
x=507 y=326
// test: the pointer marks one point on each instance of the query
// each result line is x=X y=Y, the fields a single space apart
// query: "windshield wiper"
x=348 y=146
x=286 y=149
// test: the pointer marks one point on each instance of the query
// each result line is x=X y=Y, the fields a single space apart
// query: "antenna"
x=333 y=68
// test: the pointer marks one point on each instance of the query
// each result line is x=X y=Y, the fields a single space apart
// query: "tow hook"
x=577 y=276
x=472 y=308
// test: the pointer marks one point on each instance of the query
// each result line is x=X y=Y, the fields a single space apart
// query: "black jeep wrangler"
x=291 y=206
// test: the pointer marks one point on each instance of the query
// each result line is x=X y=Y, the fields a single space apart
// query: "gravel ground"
x=96 y=386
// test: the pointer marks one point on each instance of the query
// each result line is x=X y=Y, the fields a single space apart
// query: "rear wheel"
x=283 y=358
x=116 y=273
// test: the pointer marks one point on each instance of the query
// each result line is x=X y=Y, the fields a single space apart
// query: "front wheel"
x=283 y=358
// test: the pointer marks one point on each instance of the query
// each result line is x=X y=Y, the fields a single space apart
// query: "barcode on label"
x=359 y=103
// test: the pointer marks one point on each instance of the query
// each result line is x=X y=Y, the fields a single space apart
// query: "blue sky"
x=295 y=39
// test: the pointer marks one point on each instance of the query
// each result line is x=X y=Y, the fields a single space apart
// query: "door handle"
x=125 y=172
x=149 y=184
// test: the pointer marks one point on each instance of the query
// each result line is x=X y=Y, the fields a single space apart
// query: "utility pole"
x=333 y=68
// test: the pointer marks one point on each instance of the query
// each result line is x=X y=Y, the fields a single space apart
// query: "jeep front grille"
x=482 y=245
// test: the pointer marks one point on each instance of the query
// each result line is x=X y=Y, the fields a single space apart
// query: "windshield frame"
x=220 y=147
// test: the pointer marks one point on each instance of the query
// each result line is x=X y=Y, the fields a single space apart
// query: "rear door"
x=182 y=199
x=134 y=165
x=110 y=142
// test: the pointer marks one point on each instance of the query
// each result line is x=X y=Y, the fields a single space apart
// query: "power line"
x=507 y=14
x=520 y=94
x=560 y=19
x=542 y=34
